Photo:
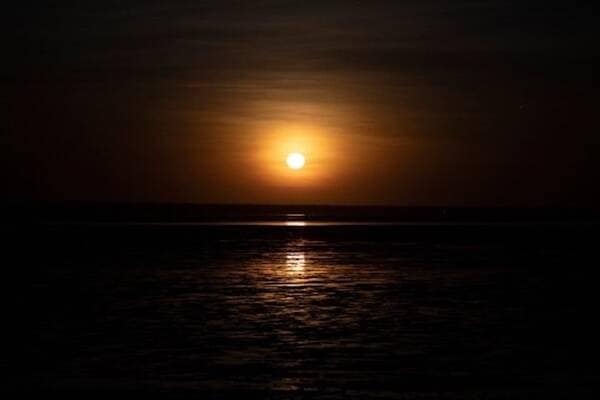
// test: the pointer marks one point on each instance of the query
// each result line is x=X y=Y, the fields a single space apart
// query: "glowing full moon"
x=295 y=160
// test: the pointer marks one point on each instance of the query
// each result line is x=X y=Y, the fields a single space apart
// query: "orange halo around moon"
x=296 y=155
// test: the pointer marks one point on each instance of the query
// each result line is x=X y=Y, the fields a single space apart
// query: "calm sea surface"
x=297 y=310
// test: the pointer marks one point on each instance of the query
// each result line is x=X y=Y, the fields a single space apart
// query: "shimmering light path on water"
x=284 y=312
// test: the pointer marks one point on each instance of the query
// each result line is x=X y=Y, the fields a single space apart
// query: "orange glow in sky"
x=297 y=156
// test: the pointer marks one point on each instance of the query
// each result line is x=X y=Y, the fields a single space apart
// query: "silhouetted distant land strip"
x=83 y=212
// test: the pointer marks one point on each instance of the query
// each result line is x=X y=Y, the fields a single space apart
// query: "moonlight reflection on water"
x=295 y=262
x=268 y=310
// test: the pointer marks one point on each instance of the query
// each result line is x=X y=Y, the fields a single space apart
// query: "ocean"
x=296 y=305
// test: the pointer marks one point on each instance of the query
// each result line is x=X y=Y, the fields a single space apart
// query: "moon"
x=295 y=161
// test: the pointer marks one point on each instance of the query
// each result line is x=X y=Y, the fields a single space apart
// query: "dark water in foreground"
x=333 y=311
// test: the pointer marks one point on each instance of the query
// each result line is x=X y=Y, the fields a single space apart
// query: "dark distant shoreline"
x=177 y=213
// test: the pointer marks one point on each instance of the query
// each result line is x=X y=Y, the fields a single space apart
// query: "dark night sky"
x=416 y=102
